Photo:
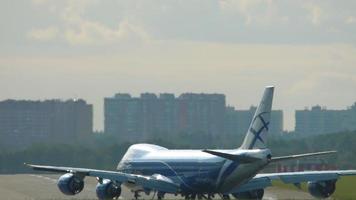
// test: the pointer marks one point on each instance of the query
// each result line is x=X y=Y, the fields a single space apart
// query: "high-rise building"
x=231 y=122
x=167 y=113
x=201 y=113
x=238 y=121
x=320 y=120
x=25 y=122
x=136 y=119
x=123 y=116
x=349 y=122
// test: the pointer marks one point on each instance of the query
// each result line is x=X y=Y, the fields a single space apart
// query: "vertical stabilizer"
x=257 y=132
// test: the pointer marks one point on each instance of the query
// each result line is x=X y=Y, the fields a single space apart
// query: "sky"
x=92 y=49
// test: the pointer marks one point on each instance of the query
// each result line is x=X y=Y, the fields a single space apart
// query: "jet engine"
x=253 y=194
x=107 y=190
x=70 y=184
x=322 y=189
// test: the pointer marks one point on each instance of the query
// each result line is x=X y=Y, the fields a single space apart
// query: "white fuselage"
x=194 y=170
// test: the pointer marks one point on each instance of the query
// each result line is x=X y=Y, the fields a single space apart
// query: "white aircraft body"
x=201 y=174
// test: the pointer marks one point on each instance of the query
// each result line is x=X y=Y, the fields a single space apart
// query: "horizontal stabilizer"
x=282 y=158
x=242 y=158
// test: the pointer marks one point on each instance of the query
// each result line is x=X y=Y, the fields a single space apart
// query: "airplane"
x=201 y=174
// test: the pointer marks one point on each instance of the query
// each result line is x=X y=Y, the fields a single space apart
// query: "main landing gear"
x=225 y=197
x=192 y=196
x=199 y=196
x=136 y=195
x=160 y=195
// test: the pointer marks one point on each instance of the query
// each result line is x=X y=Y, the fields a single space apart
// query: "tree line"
x=103 y=151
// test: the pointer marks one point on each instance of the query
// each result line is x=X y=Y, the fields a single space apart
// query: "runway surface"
x=34 y=187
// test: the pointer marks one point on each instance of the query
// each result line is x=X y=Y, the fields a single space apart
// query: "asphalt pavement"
x=41 y=187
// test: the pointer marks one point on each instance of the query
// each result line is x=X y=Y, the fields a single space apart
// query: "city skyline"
x=228 y=106
x=92 y=49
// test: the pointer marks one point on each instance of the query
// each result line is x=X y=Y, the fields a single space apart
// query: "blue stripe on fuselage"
x=197 y=176
x=232 y=166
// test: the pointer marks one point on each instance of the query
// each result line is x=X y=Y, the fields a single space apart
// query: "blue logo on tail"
x=258 y=133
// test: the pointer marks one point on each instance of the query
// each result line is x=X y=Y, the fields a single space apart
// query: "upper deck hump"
x=141 y=152
x=177 y=155
x=146 y=147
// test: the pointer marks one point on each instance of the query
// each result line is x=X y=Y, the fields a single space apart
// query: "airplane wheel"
x=200 y=196
x=186 y=197
x=210 y=196
x=225 y=197
x=160 y=195
x=190 y=196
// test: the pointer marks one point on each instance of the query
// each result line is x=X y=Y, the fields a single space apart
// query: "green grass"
x=280 y=184
x=345 y=188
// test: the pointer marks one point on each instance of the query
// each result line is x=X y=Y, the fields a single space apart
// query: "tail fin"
x=257 y=132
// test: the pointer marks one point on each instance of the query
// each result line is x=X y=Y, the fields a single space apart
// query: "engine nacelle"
x=253 y=194
x=107 y=190
x=322 y=189
x=69 y=184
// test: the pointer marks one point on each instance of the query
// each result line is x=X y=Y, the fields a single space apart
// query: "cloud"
x=254 y=11
x=315 y=13
x=90 y=33
x=350 y=20
x=44 y=34
x=94 y=22
x=76 y=28
x=39 y=2
x=322 y=86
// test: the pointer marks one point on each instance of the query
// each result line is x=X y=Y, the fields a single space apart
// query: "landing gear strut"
x=137 y=195
x=160 y=195
x=198 y=196
x=225 y=196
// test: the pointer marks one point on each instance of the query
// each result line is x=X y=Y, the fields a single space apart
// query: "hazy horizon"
x=93 y=49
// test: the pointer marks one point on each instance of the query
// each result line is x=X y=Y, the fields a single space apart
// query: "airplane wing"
x=298 y=177
x=261 y=181
x=154 y=182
